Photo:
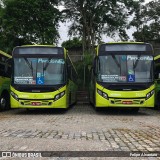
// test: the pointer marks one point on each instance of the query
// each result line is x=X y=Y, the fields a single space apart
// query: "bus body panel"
x=157 y=81
x=40 y=100
x=4 y=80
x=103 y=97
x=60 y=98
x=124 y=98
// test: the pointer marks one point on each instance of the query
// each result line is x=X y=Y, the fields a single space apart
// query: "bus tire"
x=5 y=101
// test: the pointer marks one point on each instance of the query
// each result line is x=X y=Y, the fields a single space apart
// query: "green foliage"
x=28 y=22
x=83 y=71
x=92 y=18
x=147 y=22
x=74 y=43
x=87 y=59
x=79 y=68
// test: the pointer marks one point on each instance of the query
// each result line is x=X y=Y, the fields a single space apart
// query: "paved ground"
x=81 y=128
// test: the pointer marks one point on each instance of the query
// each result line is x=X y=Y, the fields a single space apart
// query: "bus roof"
x=36 y=45
x=29 y=49
x=127 y=46
x=125 y=42
x=5 y=54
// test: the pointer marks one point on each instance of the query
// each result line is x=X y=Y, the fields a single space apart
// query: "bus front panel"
x=56 y=99
x=108 y=98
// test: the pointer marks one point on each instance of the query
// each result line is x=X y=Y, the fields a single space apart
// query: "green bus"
x=157 y=81
x=123 y=76
x=4 y=81
x=43 y=76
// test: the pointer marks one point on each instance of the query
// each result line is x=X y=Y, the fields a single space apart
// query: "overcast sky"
x=63 y=31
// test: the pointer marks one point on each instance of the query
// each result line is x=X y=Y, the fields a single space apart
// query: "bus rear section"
x=124 y=76
x=4 y=81
x=40 y=78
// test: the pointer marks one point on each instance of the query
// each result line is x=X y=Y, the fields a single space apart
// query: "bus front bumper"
x=124 y=102
x=39 y=103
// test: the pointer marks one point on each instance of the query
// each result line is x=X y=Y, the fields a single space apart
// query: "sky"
x=63 y=31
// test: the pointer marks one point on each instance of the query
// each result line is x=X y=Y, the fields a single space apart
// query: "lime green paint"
x=26 y=99
x=119 y=97
x=4 y=81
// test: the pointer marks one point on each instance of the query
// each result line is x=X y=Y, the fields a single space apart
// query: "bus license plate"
x=127 y=102
x=36 y=103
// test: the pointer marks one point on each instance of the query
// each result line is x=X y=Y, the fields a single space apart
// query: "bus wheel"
x=4 y=102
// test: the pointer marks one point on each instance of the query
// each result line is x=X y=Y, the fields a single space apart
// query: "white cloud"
x=63 y=32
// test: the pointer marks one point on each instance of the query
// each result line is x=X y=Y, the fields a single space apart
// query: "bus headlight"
x=14 y=96
x=59 y=95
x=99 y=92
x=148 y=95
x=104 y=95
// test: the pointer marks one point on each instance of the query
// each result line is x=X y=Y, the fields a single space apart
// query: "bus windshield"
x=39 y=71
x=125 y=68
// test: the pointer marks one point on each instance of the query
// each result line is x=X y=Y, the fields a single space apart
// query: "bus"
x=123 y=76
x=43 y=76
x=157 y=81
x=4 y=81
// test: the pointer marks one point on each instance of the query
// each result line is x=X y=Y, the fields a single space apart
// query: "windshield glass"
x=125 y=68
x=39 y=71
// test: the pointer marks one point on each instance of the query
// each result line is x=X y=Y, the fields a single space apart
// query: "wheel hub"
x=3 y=103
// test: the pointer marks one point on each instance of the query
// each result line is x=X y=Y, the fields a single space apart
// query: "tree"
x=92 y=18
x=28 y=22
x=74 y=43
x=149 y=28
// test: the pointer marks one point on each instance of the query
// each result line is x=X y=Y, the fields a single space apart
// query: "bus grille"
x=127 y=101
x=33 y=103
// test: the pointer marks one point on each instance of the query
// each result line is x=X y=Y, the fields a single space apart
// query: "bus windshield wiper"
x=47 y=64
x=117 y=63
x=29 y=65
x=135 y=65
